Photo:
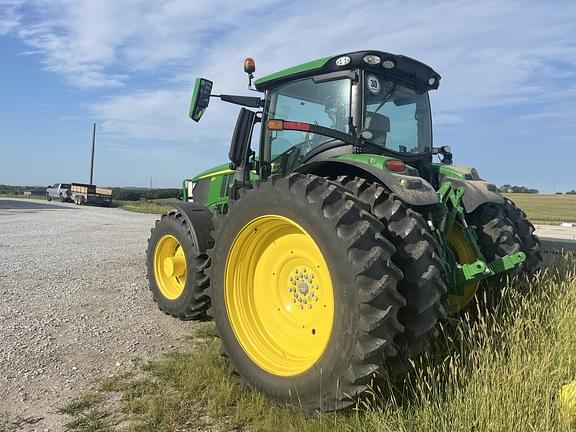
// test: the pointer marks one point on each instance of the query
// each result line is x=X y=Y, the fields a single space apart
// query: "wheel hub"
x=174 y=266
x=302 y=288
x=170 y=267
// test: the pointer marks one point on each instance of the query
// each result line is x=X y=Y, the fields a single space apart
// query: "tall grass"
x=497 y=368
x=499 y=371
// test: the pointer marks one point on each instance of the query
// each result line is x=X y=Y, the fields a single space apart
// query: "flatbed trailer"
x=82 y=194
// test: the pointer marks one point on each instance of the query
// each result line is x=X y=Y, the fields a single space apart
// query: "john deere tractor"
x=331 y=245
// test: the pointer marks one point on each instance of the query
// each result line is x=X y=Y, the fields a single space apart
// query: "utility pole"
x=93 y=146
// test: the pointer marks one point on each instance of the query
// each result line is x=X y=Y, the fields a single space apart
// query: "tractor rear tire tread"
x=194 y=301
x=422 y=286
x=525 y=231
x=375 y=300
x=496 y=234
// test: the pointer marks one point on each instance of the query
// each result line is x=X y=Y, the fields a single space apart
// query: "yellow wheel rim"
x=279 y=295
x=170 y=267
x=464 y=254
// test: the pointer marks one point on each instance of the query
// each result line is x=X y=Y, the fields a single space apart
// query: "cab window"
x=324 y=104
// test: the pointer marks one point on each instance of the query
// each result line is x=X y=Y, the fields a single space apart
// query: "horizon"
x=505 y=98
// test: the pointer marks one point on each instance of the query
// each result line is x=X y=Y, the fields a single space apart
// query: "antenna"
x=93 y=147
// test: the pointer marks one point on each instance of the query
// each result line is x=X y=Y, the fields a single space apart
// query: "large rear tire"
x=422 y=285
x=497 y=238
x=304 y=294
x=496 y=234
x=524 y=229
x=176 y=269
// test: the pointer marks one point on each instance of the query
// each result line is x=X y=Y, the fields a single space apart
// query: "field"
x=541 y=209
x=501 y=371
x=144 y=206
x=547 y=209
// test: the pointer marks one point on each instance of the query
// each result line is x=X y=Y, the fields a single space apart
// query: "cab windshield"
x=397 y=117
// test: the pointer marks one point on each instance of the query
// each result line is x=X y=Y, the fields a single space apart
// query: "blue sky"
x=506 y=103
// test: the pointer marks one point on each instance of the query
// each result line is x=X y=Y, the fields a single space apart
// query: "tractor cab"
x=368 y=102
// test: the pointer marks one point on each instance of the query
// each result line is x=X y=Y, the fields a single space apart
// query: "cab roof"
x=397 y=67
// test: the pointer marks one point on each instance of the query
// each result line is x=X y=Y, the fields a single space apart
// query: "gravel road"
x=74 y=306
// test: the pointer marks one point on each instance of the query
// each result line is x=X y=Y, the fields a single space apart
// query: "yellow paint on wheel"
x=279 y=295
x=465 y=255
x=170 y=267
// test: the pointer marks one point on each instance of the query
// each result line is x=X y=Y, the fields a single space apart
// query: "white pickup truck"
x=79 y=194
x=59 y=191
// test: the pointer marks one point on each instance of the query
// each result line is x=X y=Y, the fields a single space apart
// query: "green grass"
x=547 y=209
x=540 y=208
x=500 y=371
x=144 y=206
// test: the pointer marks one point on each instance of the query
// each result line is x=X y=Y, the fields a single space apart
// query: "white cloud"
x=9 y=16
x=102 y=43
x=490 y=53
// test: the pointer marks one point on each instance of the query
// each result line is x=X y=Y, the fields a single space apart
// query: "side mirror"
x=200 y=98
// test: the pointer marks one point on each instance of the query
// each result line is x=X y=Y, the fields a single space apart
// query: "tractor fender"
x=199 y=220
x=476 y=193
x=414 y=191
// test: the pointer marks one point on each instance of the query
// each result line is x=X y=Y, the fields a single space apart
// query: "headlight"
x=371 y=59
x=343 y=61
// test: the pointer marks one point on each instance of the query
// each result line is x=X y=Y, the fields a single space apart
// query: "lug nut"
x=309 y=306
x=301 y=306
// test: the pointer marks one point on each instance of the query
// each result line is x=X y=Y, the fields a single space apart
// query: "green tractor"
x=328 y=253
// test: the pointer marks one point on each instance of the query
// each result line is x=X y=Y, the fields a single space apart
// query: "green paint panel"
x=217 y=170
x=261 y=83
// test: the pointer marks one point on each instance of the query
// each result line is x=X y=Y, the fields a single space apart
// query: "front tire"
x=304 y=294
x=176 y=269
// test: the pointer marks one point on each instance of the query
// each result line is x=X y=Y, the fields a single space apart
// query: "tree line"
x=517 y=189
x=123 y=194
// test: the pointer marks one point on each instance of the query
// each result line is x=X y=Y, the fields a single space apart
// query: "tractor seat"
x=379 y=125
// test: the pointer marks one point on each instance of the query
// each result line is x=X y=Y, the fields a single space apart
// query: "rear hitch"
x=465 y=274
